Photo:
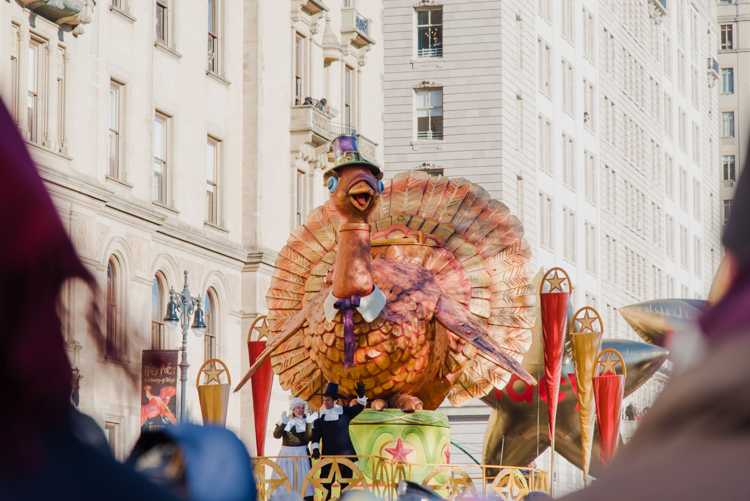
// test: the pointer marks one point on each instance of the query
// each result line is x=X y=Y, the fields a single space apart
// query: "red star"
x=399 y=453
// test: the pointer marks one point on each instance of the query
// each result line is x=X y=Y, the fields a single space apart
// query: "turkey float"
x=420 y=286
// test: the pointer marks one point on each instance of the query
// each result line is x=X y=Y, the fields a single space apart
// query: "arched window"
x=112 y=312
x=209 y=338
x=158 y=310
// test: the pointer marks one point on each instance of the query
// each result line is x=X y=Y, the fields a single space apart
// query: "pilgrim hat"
x=332 y=390
x=346 y=153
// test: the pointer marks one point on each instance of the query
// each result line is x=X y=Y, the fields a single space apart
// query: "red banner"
x=261 y=382
x=158 y=389
x=554 y=325
x=608 y=392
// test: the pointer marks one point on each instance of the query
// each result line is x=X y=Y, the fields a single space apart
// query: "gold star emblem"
x=586 y=322
x=608 y=364
x=554 y=282
x=263 y=329
x=213 y=373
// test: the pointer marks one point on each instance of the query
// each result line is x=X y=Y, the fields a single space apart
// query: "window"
x=684 y=249
x=430 y=114
x=348 y=97
x=696 y=143
x=545 y=145
x=590 y=177
x=590 y=236
x=727 y=80
x=728 y=168
x=117 y=4
x=668 y=114
x=609 y=51
x=681 y=119
x=588 y=105
x=213 y=36
x=697 y=256
x=115 y=105
x=209 y=338
x=683 y=189
x=35 y=86
x=695 y=89
x=61 y=58
x=681 y=71
x=567 y=20
x=726 y=37
x=298 y=70
x=569 y=235
x=568 y=90
x=212 y=181
x=430 y=32
x=160 y=158
x=545 y=55
x=162 y=21
x=300 y=209
x=545 y=9
x=112 y=312
x=667 y=55
x=668 y=175
x=588 y=35
x=158 y=310
x=727 y=209
x=727 y=124
x=545 y=224
x=670 y=236
x=568 y=153
x=14 y=69
x=697 y=199
x=110 y=432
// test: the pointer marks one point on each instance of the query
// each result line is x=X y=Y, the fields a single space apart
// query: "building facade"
x=596 y=122
x=163 y=157
x=734 y=23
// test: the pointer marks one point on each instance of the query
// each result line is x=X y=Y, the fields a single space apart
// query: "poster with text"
x=158 y=389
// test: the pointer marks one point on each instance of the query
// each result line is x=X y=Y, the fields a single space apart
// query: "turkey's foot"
x=407 y=403
x=378 y=404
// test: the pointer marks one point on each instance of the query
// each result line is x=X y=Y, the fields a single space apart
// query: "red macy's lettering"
x=527 y=395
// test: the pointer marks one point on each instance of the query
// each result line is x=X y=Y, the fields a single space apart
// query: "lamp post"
x=185 y=303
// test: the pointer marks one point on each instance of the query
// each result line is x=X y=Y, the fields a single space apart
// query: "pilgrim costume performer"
x=333 y=428
x=295 y=433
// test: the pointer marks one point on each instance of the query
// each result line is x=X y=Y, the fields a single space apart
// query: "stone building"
x=734 y=94
x=164 y=157
x=594 y=121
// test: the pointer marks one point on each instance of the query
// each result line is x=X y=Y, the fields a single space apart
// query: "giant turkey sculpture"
x=419 y=286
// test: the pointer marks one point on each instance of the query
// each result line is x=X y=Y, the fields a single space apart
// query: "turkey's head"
x=354 y=192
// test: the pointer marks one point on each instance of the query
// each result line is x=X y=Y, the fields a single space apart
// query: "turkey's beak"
x=361 y=194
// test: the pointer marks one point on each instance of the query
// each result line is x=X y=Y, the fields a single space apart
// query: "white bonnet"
x=296 y=402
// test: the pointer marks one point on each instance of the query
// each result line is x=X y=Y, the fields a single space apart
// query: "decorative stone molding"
x=656 y=11
x=428 y=3
x=308 y=12
x=429 y=166
x=427 y=84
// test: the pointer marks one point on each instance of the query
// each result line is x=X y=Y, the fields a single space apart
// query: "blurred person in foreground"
x=695 y=442
x=47 y=448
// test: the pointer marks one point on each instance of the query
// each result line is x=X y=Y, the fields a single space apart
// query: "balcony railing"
x=310 y=120
x=430 y=134
x=354 y=23
x=381 y=476
x=659 y=8
x=342 y=129
x=712 y=65
x=430 y=52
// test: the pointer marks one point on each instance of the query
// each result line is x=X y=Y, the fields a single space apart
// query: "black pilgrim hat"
x=332 y=390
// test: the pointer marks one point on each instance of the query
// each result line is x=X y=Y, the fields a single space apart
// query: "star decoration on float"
x=399 y=453
x=608 y=364
x=555 y=283
x=586 y=322
x=212 y=373
x=263 y=329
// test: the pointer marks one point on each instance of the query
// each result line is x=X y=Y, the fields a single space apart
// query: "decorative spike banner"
x=214 y=398
x=554 y=306
x=261 y=381
x=608 y=392
x=586 y=340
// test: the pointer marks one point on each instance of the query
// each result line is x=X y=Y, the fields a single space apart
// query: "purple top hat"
x=346 y=153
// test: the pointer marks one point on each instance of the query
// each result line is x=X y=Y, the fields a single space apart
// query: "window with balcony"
x=430 y=114
x=727 y=80
x=728 y=173
x=727 y=124
x=727 y=37
x=430 y=32
x=161 y=126
x=212 y=181
x=158 y=307
x=115 y=112
x=298 y=66
x=162 y=21
x=213 y=36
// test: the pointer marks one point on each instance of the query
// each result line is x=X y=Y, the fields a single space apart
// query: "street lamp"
x=185 y=303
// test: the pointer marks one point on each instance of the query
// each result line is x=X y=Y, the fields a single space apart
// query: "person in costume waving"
x=295 y=433
x=333 y=428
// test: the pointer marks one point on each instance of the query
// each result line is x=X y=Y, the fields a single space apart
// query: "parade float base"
x=416 y=441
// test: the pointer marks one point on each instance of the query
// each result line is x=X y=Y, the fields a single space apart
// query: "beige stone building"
x=163 y=156
x=734 y=94
x=595 y=121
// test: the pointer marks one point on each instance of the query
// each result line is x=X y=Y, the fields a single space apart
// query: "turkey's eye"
x=381 y=187
x=332 y=184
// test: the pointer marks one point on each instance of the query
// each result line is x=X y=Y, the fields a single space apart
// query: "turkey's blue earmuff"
x=381 y=187
x=332 y=184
